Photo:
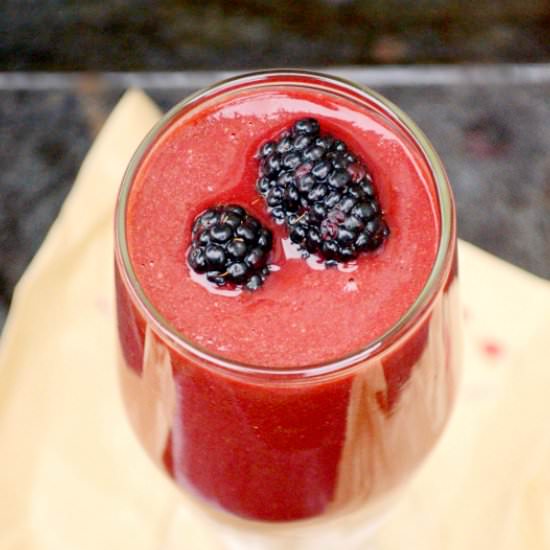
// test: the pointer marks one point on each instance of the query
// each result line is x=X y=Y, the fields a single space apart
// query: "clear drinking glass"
x=340 y=437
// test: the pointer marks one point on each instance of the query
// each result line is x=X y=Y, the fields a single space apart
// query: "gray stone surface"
x=239 y=34
x=44 y=138
x=495 y=143
x=493 y=138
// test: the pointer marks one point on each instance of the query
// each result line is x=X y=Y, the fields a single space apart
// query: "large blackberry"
x=230 y=246
x=322 y=192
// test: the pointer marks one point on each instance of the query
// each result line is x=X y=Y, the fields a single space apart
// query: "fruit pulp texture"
x=252 y=446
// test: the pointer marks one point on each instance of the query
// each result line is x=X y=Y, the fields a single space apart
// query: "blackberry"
x=320 y=189
x=230 y=246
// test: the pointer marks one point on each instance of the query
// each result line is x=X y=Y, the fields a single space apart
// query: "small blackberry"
x=322 y=192
x=230 y=246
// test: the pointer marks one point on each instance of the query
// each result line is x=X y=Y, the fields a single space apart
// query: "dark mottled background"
x=491 y=124
x=237 y=34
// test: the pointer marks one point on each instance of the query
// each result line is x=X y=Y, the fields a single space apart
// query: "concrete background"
x=243 y=34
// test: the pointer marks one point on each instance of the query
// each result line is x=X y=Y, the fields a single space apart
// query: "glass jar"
x=273 y=450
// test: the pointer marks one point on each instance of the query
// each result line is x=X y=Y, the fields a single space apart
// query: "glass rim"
x=412 y=316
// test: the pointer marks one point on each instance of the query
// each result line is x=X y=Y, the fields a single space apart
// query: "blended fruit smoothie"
x=277 y=230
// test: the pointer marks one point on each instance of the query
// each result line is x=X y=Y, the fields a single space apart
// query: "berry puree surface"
x=305 y=313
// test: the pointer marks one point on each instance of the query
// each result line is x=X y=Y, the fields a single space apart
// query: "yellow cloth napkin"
x=72 y=475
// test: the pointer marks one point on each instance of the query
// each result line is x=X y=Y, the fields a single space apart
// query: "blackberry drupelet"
x=322 y=192
x=230 y=246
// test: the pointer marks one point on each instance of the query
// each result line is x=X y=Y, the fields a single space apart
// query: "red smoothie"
x=256 y=442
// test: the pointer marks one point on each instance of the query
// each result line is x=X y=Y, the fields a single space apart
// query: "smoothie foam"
x=304 y=314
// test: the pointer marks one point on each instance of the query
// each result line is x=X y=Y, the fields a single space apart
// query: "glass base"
x=354 y=531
